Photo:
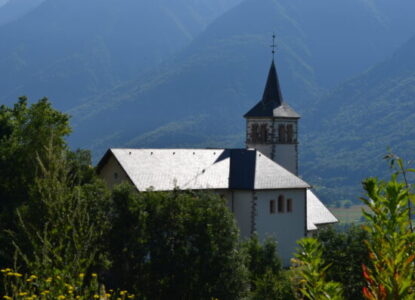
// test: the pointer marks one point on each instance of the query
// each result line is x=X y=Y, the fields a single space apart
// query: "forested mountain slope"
x=199 y=97
x=359 y=121
x=68 y=50
x=162 y=73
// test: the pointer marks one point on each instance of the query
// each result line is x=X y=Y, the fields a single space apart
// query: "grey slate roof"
x=166 y=169
x=272 y=103
x=317 y=212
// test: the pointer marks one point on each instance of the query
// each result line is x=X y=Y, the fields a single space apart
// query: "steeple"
x=272 y=125
x=272 y=92
x=272 y=103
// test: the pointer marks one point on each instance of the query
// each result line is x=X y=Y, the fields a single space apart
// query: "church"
x=260 y=182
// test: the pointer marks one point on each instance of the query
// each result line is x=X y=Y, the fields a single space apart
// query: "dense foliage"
x=390 y=239
x=310 y=273
x=61 y=225
x=345 y=250
x=180 y=244
x=25 y=133
x=268 y=281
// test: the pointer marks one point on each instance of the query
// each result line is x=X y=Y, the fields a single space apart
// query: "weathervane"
x=273 y=46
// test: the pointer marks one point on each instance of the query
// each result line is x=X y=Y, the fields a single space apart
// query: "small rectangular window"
x=290 y=133
x=281 y=203
x=281 y=133
x=254 y=133
x=115 y=175
x=264 y=133
x=272 y=206
x=289 y=205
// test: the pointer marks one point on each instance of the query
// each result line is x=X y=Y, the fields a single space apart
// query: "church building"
x=260 y=182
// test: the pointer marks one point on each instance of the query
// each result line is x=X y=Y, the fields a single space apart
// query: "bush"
x=56 y=286
x=179 y=245
x=267 y=279
x=345 y=251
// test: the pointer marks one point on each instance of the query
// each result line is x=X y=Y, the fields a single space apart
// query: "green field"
x=348 y=215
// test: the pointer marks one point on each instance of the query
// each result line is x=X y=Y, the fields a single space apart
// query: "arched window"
x=289 y=205
x=281 y=133
x=272 y=206
x=264 y=133
x=254 y=133
x=281 y=204
x=290 y=133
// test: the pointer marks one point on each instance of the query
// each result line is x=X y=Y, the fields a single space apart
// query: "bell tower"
x=272 y=125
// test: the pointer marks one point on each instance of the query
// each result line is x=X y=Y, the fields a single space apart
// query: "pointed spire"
x=272 y=92
x=272 y=103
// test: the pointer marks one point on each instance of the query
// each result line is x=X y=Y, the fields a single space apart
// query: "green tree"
x=25 y=133
x=310 y=272
x=391 y=241
x=345 y=250
x=62 y=228
x=267 y=279
x=179 y=245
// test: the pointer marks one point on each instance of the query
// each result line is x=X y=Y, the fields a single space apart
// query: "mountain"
x=11 y=10
x=361 y=119
x=182 y=73
x=198 y=98
x=69 y=50
x=347 y=37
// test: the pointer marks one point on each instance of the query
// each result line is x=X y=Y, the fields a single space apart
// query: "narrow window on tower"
x=272 y=206
x=289 y=205
x=264 y=133
x=254 y=133
x=281 y=133
x=281 y=203
x=290 y=133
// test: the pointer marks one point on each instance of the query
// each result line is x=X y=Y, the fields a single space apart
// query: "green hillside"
x=68 y=50
x=360 y=120
x=200 y=96
x=182 y=73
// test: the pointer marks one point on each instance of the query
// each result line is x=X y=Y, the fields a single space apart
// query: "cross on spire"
x=273 y=46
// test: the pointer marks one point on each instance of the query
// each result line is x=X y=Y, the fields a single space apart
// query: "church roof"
x=317 y=212
x=272 y=103
x=166 y=169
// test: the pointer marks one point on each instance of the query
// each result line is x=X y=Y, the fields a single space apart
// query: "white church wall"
x=286 y=156
x=112 y=173
x=286 y=227
x=242 y=208
x=264 y=149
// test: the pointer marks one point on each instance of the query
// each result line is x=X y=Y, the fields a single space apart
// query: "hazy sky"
x=2 y=2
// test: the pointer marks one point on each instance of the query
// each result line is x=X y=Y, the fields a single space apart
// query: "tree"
x=390 y=244
x=267 y=279
x=25 y=133
x=345 y=251
x=179 y=245
x=391 y=241
x=310 y=273
x=62 y=228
